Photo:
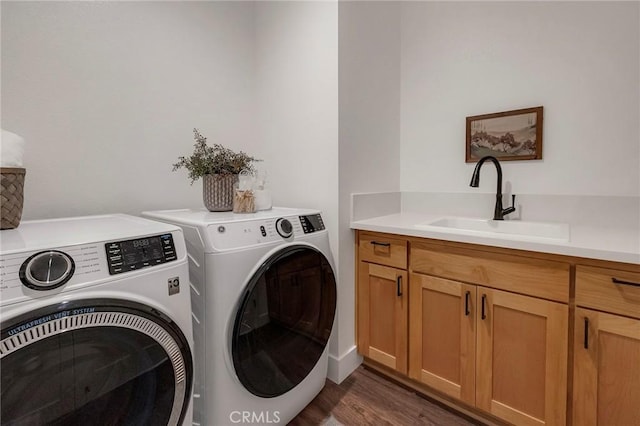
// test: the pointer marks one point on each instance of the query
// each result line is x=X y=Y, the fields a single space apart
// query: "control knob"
x=284 y=228
x=47 y=270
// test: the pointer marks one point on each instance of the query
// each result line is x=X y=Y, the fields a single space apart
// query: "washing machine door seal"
x=94 y=360
x=284 y=320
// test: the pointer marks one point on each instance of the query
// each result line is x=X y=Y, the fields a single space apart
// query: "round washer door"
x=284 y=321
x=95 y=360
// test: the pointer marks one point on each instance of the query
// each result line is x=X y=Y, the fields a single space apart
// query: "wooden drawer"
x=534 y=277
x=595 y=288
x=381 y=249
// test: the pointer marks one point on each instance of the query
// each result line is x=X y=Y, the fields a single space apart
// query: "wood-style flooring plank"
x=366 y=398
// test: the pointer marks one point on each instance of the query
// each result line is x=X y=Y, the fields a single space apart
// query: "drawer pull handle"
x=617 y=281
x=377 y=243
x=586 y=333
x=399 y=285
x=484 y=299
x=467 y=295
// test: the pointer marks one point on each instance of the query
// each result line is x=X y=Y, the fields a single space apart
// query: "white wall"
x=369 y=62
x=580 y=60
x=296 y=101
x=106 y=95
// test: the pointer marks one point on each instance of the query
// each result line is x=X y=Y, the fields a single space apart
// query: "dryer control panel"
x=248 y=233
x=312 y=223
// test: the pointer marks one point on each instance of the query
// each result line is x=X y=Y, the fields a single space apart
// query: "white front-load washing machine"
x=264 y=302
x=96 y=323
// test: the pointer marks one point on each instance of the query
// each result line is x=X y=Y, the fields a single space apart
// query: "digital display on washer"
x=311 y=223
x=129 y=255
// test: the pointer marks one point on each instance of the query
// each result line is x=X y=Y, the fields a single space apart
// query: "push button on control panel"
x=168 y=248
x=263 y=231
x=114 y=254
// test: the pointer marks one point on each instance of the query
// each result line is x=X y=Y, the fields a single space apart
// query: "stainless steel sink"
x=505 y=228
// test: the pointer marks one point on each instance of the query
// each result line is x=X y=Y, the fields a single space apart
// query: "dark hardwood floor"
x=366 y=398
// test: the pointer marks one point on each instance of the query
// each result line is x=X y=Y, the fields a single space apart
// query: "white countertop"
x=605 y=243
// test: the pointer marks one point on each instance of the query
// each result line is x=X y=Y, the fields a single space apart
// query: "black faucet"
x=498 y=213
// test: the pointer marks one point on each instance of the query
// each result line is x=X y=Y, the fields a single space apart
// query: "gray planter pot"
x=217 y=192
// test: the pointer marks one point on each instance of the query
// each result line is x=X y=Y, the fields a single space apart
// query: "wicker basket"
x=11 y=196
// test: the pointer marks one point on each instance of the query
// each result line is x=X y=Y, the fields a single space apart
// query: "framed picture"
x=509 y=135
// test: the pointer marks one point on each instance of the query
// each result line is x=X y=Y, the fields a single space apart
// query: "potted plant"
x=219 y=168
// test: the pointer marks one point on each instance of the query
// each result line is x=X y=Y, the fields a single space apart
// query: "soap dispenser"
x=261 y=192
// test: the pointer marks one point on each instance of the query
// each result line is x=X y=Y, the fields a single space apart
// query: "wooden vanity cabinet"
x=606 y=379
x=502 y=352
x=486 y=330
x=382 y=300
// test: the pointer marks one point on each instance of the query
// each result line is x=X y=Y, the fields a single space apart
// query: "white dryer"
x=264 y=302
x=96 y=323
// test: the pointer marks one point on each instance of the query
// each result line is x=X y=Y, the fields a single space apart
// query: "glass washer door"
x=284 y=321
x=107 y=361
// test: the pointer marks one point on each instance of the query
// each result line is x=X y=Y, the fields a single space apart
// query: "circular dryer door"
x=284 y=321
x=94 y=361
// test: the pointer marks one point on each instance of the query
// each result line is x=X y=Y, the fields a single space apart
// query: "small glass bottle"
x=243 y=198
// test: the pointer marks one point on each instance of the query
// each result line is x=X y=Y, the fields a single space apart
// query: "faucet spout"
x=499 y=212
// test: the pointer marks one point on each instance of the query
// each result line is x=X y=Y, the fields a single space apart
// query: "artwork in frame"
x=509 y=135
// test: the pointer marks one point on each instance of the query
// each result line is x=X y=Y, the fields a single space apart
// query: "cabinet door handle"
x=484 y=299
x=586 y=333
x=399 y=285
x=617 y=281
x=377 y=243
x=467 y=295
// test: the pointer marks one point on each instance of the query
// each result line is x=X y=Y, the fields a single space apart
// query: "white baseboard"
x=341 y=367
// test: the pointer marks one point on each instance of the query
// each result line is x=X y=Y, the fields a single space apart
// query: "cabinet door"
x=382 y=315
x=606 y=377
x=522 y=358
x=442 y=335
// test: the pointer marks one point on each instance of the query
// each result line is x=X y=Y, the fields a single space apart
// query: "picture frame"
x=509 y=135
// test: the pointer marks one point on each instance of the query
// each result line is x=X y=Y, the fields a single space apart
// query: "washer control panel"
x=50 y=270
x=35 y=273
x=129 y=255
